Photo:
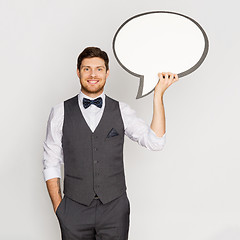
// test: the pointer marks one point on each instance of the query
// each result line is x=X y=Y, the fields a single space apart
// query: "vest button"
x=95 y=149
x=95 y=161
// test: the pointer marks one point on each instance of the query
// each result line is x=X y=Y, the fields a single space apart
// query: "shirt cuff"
x=154 y=135
x=157 y=142
x=53 y=172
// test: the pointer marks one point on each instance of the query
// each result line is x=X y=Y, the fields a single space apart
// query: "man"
x=86 y=133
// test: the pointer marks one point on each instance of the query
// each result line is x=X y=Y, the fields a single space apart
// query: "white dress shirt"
x=135 y=128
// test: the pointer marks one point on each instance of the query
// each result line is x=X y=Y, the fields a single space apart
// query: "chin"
x=90 y=90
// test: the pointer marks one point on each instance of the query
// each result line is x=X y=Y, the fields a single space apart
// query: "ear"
x=108 y=73
x=78 y=73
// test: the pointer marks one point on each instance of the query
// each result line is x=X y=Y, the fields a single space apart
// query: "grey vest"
x=93 y=162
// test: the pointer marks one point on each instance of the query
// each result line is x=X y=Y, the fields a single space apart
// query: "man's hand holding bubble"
x=166 y=79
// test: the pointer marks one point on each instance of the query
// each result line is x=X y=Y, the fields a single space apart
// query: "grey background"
x=190 y=190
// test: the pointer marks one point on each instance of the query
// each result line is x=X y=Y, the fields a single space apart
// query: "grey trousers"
x=98 y=221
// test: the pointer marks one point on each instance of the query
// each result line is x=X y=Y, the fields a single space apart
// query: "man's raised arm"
x=158 y=120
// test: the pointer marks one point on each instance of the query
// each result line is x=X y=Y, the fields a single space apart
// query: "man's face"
x=92 y=75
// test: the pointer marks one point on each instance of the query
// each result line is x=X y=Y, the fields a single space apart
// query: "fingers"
x=160 y=75
x=168 y=75
x=175 y=77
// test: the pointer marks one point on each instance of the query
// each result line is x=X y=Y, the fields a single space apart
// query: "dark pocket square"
x=113 y=132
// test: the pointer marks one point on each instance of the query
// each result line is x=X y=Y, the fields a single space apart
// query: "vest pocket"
x=109 y=139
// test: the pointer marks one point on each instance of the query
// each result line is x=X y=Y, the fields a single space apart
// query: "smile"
x=93 y=81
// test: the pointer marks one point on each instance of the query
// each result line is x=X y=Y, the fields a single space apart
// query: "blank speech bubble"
x=159 y=41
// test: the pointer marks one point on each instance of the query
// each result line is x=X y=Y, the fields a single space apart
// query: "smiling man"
x=86 y=134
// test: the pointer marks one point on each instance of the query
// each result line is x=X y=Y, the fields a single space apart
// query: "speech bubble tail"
x=147 y=84
x=140 y=88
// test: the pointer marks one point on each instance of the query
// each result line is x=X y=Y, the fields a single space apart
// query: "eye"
x=86 y=69
x=99 y=69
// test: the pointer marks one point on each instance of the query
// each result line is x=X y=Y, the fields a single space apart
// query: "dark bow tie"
x=87 y=102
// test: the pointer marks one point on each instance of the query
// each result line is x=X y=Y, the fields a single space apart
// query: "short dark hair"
x=91 y=52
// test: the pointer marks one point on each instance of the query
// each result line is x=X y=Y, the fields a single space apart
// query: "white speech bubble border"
x=182 y=74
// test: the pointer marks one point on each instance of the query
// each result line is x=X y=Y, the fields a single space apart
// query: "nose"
x=93 y=73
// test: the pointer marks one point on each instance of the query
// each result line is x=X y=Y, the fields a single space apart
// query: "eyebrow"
x=90 y=66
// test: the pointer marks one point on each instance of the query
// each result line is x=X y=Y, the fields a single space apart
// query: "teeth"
x=93 y=81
